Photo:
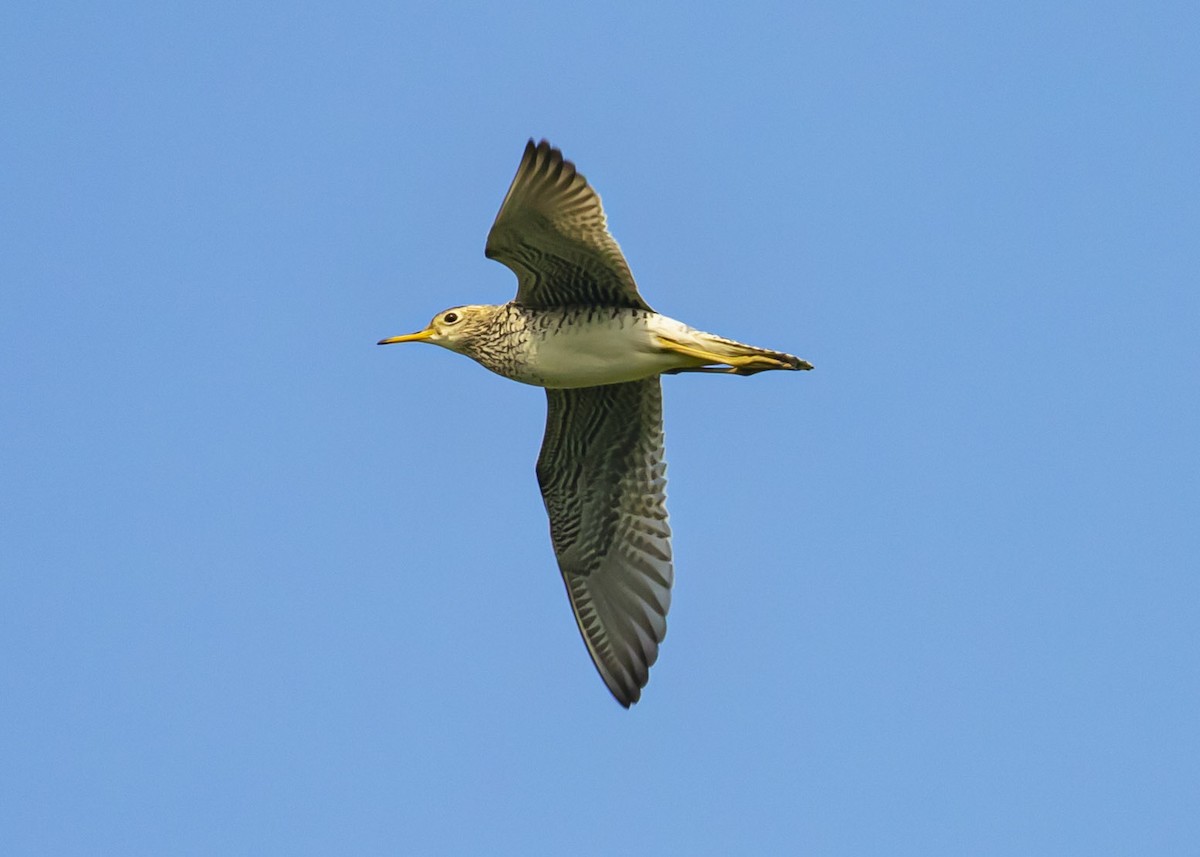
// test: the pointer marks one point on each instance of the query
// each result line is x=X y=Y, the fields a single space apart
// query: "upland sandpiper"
x=579 y=328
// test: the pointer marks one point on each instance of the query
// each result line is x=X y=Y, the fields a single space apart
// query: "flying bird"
x=579 y=328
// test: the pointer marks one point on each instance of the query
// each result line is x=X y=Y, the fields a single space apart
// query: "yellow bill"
x=409 y=337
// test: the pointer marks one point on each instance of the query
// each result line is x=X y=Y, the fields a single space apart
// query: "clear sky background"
x=270 y=589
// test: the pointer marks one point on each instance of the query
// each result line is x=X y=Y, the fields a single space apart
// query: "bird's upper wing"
x=603 y=479
x=551 y=232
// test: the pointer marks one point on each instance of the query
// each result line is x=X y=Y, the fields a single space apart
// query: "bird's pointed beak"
x=409 y=337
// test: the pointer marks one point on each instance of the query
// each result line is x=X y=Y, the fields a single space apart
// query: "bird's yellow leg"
x=738 y=365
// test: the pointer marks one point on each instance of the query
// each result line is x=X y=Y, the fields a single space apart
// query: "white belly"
x=606 y=352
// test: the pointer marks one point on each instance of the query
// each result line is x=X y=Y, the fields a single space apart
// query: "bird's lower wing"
x=603 y=479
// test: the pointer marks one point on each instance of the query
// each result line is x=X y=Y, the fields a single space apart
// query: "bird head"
x=453 y=328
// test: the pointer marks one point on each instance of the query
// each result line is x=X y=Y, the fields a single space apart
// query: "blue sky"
x=270 y=589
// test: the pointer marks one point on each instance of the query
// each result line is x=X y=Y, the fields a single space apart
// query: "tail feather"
x=732 y=348
x=716 y=351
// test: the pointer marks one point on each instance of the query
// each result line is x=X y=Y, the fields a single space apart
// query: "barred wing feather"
x=551 y=231
x=603 y=480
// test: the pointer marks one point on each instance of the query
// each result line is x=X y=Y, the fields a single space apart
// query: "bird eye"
x=450 y=317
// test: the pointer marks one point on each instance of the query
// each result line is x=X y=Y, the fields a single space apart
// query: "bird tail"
x=732 y=348
x=742 y=359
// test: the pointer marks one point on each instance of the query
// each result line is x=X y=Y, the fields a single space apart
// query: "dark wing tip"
x=548 y=161
x=625 y=693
